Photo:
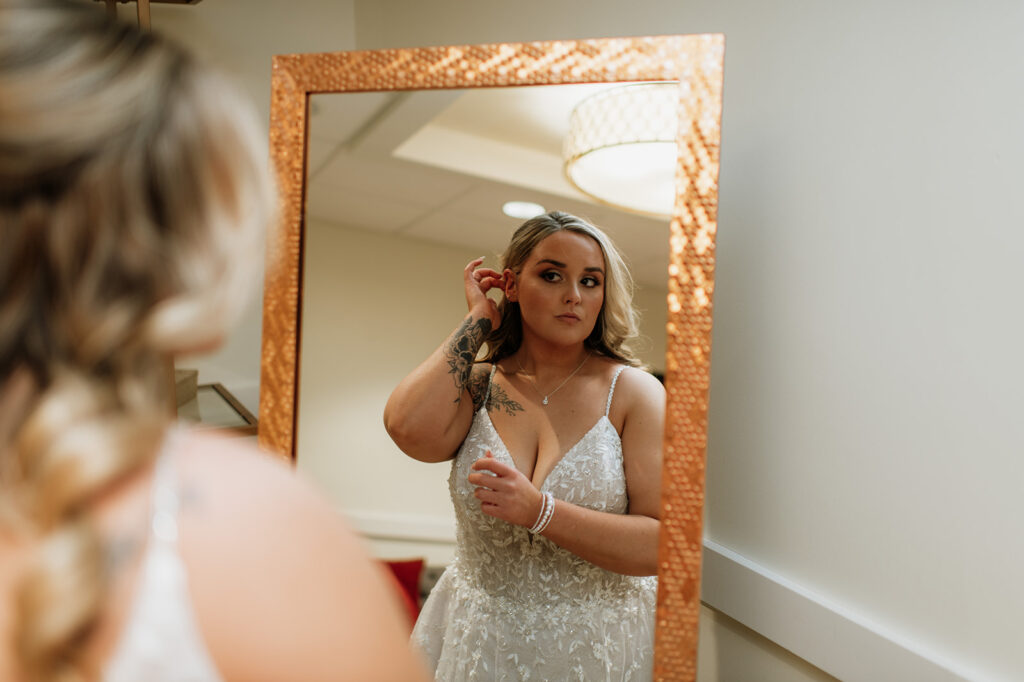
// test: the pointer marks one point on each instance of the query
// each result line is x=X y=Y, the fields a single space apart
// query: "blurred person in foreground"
x=134 y=191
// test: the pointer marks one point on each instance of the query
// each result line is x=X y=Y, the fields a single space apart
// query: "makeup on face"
x=562 y=282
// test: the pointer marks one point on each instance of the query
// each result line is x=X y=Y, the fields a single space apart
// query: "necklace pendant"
x=545 y=401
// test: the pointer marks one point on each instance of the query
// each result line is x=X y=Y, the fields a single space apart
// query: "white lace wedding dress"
x=518 y=607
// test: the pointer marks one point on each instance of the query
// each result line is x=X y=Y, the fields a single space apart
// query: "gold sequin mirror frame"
x=696 y=62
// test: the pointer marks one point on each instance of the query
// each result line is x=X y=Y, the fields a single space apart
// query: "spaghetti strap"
x=161 y=640
x=164 y=509
x=611 y=390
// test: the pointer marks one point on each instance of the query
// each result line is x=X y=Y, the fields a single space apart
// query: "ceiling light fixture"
x=621 y=147
x=524 y=210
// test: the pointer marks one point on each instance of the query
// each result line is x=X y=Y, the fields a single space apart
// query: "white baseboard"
x=379 y=525
x=826 y=635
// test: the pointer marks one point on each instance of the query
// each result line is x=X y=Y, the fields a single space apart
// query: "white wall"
x=866 y=440
x=240 y=37
x=375 y=306
x=730 y=652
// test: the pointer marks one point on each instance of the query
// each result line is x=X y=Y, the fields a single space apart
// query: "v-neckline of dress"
x=603 y=418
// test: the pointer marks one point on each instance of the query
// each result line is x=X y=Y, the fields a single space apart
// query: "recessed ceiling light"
x=524 y=210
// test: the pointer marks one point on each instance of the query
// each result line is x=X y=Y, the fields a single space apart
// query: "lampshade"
x=621 y=147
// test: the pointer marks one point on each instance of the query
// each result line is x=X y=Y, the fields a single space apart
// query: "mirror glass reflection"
x=404 y=189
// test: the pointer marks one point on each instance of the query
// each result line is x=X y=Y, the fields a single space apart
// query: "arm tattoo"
x=462 y=350
x=478 y=386
x=498 y=400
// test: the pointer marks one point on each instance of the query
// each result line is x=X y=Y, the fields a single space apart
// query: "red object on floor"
x=406 y=574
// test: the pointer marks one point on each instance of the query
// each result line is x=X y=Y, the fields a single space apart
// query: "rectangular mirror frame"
x=696 y=62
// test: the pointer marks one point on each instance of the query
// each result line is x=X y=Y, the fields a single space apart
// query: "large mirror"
x=403 y=189
x=390 y=191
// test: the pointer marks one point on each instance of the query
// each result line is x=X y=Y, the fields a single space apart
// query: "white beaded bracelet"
x=547 y=510
x=540 y=515
x=548 y=513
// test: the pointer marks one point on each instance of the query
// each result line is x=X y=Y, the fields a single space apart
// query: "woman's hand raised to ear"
x=429 y=413
x=478 y=282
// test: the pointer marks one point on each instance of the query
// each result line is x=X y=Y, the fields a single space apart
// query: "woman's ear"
x=511 y=289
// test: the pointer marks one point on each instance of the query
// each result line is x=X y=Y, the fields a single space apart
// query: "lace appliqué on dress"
x=518 y=607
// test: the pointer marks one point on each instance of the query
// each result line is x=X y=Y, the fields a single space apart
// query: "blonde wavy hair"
x=134 y=191
x=618 y=323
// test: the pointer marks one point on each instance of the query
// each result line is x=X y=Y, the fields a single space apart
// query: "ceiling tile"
x=403 y=179
x=362 y=210
x=337 y=117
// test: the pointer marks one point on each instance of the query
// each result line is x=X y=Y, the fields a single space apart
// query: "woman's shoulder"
x=625 y=374
x=215 y=472
x=483 y=368
x=233 y=468
x=228 y=481
x=635 y=387
x=479 y=381
x=269 y=562
x=258 y=538
x=238 y=498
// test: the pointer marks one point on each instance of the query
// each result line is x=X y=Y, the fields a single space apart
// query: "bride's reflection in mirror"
x=555 y=478
x=404 y=191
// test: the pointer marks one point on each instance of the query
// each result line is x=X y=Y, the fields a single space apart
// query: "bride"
x=556 y=439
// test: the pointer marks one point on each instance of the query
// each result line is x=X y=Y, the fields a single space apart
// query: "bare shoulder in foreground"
x=281 y=588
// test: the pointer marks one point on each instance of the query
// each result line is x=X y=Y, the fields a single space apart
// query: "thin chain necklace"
x=534 y=383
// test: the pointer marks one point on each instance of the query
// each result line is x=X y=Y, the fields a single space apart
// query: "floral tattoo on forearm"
x=462 y=350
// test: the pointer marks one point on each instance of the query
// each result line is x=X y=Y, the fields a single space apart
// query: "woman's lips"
x=569 y=317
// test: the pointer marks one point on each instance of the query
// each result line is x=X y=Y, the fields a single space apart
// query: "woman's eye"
x=590 y=282
x=551 y=276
